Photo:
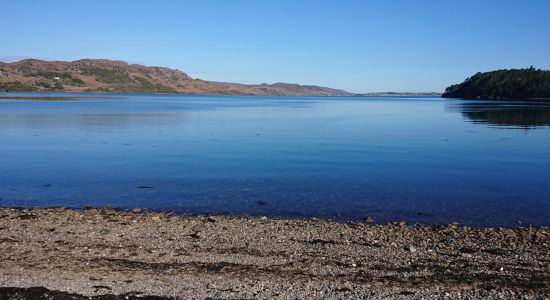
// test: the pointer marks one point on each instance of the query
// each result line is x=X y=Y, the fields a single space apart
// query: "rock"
x=263 y=218
x=144 y=187
x=369 y=220
x=263 y=202
x=136 y=210
x=200 y=227
x=155 y=218
x=194 y=235
x=411 y=248
x=104 y=231
x=28 y=216
x=107 y=211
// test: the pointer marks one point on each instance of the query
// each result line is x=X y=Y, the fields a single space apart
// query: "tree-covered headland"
x=513 y=84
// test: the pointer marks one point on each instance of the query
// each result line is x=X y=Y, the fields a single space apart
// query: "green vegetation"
x=517 y=84
x=53 y=75
x=75 y=82
x=64 y=78
x=16 y=86
x=145 y=86
x=107 y=75
x=138 y=85
x=121 y=82
x=118 y=82
x=54 y=86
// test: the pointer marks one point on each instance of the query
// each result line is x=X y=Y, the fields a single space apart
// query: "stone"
x=263 y=202
x=200 y=227
x=144 y=187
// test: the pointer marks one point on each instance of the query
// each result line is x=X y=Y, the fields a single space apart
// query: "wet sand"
x=105 y=252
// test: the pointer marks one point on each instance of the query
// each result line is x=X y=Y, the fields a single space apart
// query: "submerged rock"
x=263 y=202
x=144 y=187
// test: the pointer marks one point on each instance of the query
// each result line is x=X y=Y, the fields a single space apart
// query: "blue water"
x=423 y=160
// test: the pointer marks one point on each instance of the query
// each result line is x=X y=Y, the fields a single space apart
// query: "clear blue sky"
x=360 y=46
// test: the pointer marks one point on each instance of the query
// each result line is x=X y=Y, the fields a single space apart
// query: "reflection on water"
x=510 y=114
x=54 y=98
x=415 y=159
x=99 y=120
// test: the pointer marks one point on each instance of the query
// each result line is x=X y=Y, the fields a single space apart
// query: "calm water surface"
x=418 y=159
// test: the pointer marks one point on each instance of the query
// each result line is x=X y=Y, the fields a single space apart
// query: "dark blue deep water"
x=423 y=160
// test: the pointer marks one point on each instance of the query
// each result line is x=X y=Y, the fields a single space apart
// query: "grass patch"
x=138 y=85
x=108 y=76
x=62 y=77
x=16 y=86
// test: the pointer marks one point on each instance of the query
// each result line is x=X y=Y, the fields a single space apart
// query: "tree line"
x=513 y=84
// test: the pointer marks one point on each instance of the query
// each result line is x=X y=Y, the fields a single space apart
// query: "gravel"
x=125 y=254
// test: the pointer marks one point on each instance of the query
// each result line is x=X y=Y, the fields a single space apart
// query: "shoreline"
x=110 y=252
x=372 y=95
x=368 y=219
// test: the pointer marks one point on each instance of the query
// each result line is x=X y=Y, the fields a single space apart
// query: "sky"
x=360 y=46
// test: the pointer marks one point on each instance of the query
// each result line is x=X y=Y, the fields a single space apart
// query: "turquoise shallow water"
x=417 y=159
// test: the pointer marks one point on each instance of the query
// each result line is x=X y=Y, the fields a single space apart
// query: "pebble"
x=242 y=246
x=200 y=227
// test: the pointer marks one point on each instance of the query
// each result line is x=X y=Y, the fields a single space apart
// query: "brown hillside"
x=101 y=75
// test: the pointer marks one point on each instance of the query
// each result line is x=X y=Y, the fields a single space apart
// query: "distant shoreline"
x=402 y=94
x=103 y=75
x=391 y=94
x=114 y=76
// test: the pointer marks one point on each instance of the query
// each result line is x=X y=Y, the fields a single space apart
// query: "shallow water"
x=402 y=158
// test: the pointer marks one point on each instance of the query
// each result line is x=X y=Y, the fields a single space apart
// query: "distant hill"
x=400 y=94
x=520 y=84
x=101 y=75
